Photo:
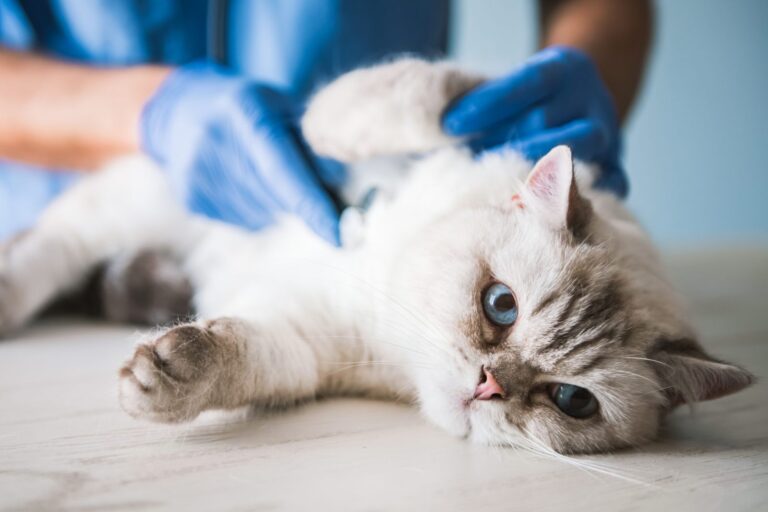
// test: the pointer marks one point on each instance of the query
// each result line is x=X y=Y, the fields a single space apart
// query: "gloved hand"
x=232 y=150
x=556 y=97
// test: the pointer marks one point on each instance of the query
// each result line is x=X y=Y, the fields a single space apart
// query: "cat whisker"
x=590 y=466
x=636 y=375
x=655 y=361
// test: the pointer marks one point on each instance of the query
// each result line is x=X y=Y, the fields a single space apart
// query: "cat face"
x=541 y=324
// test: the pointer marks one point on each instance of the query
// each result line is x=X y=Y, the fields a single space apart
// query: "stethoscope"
x=216 y=43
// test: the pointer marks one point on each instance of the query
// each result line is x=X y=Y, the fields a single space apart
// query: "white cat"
x=509 y=303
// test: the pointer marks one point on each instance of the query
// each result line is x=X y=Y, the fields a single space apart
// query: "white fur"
x=338 y=125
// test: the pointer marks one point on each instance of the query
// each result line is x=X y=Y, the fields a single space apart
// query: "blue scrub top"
x=294 y=44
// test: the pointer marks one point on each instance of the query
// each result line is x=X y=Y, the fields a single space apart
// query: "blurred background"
x=697 y=141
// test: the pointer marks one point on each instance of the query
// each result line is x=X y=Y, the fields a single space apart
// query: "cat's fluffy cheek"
x=446 y=409
x=489 y=426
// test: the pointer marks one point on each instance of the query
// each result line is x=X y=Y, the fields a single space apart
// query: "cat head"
x=545 y=323
x=542 y=320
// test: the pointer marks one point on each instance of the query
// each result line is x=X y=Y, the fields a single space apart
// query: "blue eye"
x=499 y=305
x=574 y=401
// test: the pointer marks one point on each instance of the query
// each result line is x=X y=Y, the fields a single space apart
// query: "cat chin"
x=448 y=411
x=489 y=426
x=480 y=423
x=458 y=425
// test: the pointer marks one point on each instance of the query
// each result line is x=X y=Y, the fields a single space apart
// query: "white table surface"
x=66 y=445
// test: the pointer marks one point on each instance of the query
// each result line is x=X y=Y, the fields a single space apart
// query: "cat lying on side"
x=513 y=303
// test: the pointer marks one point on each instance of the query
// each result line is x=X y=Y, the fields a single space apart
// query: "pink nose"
x=488 y=387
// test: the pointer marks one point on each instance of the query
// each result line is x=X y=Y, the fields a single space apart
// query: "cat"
x=513 y=302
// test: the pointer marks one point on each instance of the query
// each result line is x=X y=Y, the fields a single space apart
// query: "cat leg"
x=122 y=208
x=230 y=362
x=148 y=287
x=216 y=364
x=35 y=267
x=385 y=110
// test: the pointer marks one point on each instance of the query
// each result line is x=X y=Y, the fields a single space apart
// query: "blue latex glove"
x=233 y=151
x=556 y=97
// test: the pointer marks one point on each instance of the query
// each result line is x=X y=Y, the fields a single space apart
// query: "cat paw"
x=173 y=377
x=404 y=96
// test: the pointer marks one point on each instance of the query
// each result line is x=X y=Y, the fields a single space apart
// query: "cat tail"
x=390 y=109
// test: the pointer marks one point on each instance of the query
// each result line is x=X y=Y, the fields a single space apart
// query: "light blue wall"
x=697 y=143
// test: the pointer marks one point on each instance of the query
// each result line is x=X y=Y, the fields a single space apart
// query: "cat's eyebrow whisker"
x=656 y=361
x=636 y=375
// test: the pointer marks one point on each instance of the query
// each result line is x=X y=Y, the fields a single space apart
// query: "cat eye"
x=499 y=305
x=574 y=401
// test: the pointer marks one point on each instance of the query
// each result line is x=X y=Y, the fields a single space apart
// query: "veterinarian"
x=212 y=91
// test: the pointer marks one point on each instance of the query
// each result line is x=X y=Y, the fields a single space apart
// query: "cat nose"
x=488 y=388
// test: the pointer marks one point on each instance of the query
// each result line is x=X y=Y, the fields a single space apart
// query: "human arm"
x=616 y=35
x=65 y=115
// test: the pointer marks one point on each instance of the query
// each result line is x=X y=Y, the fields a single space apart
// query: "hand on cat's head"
x=543 y=325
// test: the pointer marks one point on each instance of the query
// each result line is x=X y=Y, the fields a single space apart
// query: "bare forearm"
x=615 y=33
x=66 y=115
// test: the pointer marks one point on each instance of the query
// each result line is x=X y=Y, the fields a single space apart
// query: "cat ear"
x=552 y=190
x=691 y=375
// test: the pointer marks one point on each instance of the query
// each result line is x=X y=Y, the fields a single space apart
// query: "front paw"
x=174 y=377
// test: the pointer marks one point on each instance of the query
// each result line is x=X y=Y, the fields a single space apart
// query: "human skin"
x=616 y=35
x=65 y=115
